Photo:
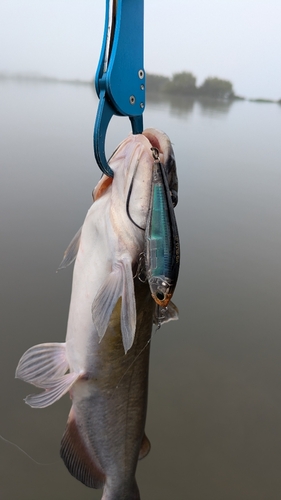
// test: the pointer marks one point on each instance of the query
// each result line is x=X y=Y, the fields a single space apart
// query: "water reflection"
x=182 y=106
x=209 y=106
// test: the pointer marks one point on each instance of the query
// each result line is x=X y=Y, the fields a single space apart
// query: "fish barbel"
x=103 y=362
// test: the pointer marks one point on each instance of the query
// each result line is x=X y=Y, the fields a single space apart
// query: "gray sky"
x=238 y=40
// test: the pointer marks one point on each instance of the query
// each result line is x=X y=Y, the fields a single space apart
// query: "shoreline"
x=198 y=95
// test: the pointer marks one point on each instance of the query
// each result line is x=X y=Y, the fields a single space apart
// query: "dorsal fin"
x=71 y=252
x=80 y=463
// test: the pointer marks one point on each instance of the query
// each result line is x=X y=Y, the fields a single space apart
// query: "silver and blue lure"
x=162 y=246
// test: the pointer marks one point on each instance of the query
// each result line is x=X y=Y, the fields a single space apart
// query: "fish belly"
x=105 y=432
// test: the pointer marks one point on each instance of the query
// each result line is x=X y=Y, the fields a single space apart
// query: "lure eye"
x=160 y=290
x=160 y=295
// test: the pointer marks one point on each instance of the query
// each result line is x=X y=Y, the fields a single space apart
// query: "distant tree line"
x=181 y=84
x=185 y=84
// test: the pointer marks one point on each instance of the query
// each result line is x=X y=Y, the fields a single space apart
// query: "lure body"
x=162 y=252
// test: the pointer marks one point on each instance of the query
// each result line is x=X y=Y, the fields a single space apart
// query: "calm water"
x=214 y=416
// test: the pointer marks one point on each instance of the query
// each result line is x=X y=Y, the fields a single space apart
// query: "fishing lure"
x=162 y=246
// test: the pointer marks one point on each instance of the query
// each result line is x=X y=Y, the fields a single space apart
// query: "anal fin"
x=81 y=464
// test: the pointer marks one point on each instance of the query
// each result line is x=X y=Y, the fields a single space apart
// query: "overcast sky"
x=238 y=40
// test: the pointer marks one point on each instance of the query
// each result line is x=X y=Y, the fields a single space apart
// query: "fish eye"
x=160 y=295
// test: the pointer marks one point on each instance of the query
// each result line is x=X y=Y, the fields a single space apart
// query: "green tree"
x=182 y=84
x=215 y=87
x=155 y=83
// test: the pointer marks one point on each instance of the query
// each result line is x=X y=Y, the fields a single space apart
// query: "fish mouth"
x=155 y=143
x=161 y=141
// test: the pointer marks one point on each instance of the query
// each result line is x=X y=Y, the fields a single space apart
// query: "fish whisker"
x=128 y=201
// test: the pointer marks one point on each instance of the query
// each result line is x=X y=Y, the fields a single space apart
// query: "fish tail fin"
x=81 y=463
x=45 y=366
x=119 y=283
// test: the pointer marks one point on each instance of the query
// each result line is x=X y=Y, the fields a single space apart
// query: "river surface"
x=214 y=413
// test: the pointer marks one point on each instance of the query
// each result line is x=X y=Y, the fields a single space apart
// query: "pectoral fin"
x=128 y=308
x=118 y=284
x=106 y=299
x=45 y=366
